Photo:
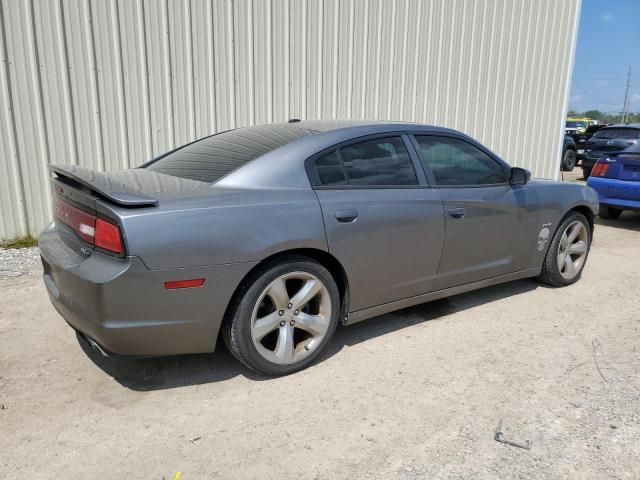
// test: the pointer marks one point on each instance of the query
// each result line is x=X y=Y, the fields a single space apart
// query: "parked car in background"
x=607 y=140
x=576 y=125
x=581 y=139
x=616 y=178
x=274 y=234
x=568 y=162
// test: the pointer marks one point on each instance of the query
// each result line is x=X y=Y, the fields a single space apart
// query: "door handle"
x=346 y=216
x=457 y=212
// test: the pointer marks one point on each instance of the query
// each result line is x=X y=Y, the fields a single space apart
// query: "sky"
x=608 y=44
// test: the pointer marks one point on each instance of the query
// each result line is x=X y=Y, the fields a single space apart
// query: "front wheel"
x=569 y=161
x=606 y=211
x=284 y=315
x=567 y=252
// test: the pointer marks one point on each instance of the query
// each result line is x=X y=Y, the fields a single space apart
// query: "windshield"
x=618 y=133
x=210 y=159
x=575 y=124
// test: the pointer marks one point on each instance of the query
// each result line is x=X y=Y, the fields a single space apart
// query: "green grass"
x=24 y=241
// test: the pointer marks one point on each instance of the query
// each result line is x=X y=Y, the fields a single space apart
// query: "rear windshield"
x=635 y=149
x=211 y=158
x=571 y=124
x=618 y=133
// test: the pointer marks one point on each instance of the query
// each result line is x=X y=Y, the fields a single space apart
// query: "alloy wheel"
x=291 y=318
x=572 y=250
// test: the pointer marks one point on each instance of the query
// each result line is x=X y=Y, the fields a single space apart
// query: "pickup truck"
x=568 y=154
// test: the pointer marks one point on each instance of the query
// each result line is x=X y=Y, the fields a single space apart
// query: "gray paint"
x=401 y=248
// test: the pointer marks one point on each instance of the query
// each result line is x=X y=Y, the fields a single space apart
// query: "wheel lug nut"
x=290 y=305
x=281 y=312
x=293 y=322
x=296 y=312
x=282 y=323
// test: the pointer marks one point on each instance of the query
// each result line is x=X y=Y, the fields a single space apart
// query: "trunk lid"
x=82 y=198
x=629 y=167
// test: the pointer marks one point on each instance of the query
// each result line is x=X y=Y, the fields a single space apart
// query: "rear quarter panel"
x=229 y=226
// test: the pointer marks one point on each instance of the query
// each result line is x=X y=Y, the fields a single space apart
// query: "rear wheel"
x=569 y=161
x=606 y=211
x=567 y=252
x=586 y=171
x=284 y=316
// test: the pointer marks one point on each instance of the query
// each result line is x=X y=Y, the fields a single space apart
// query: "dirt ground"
x=411 y=395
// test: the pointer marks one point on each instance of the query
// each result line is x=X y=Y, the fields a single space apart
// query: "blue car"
x=616 y=178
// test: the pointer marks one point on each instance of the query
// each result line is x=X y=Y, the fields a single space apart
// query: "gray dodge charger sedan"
x=272 y=235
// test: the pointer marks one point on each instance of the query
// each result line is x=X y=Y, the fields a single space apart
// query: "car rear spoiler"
x=102 y=185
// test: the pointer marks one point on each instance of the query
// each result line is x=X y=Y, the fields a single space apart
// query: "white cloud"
x=635 y=98
x=607 y=17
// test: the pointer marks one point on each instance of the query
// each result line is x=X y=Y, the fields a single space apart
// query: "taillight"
x=88 y=227
x=600 y=169
x=108 y=236
x=82 y=222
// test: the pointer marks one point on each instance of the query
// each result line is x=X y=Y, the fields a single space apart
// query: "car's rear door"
x=383 y=223
x=490 y=225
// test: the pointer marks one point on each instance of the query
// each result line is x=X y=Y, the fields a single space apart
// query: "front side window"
x=456 y=162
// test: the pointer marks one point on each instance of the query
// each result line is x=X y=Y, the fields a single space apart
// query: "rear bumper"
x=617 y=193
x=123 y=306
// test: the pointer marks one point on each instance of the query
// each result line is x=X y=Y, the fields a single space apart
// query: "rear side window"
x=211 y=158
x=456 y=162
x=330 y=171
x=379 y=162
x=618 y=133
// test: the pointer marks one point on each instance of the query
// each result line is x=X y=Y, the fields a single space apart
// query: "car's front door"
x=491 y=226
x=383 y=224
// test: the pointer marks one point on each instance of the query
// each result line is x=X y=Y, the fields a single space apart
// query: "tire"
x=569 y=161
x=586 y=171
x=264 y=303
x=559 y=250
x=608 y=212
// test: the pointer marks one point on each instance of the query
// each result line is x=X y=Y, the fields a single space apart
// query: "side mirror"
x=519 y=176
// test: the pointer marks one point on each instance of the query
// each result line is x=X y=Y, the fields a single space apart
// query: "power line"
x=598 y=72
x=588 y=94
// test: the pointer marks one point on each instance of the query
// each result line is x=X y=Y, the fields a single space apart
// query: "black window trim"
x=418 y=168
x=431 y=177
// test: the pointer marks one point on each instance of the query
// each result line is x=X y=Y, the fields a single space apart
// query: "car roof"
x=623 y=125
x=318 y=126
x=284 y=167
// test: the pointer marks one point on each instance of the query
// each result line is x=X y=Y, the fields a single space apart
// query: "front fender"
x=556 y=199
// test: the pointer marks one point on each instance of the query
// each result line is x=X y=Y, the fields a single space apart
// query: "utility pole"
x=625 y=105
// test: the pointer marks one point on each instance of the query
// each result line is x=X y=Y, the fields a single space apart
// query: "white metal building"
x=109 y=84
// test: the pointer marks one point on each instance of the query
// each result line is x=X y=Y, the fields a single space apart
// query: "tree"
x=594 y=114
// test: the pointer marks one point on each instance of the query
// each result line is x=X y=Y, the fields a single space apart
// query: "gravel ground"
x=17 y=262
x=415 y=394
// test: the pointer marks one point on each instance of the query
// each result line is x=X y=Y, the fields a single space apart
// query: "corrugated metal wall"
x=111 y=83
